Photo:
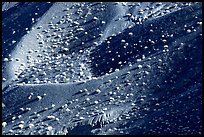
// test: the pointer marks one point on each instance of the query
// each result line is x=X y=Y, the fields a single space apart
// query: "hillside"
x=102 y=68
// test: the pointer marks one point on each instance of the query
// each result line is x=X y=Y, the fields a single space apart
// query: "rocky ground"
x=102 y=68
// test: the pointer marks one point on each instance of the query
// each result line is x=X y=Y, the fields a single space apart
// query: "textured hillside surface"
x=101 y=68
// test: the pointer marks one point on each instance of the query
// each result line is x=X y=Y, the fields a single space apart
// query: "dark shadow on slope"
x=81 y=130
x=180 y=108
x=176 y=106
x=163 y=28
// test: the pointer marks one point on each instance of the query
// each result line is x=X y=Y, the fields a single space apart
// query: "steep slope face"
x=153 y=85
x=17 y=21
x=141 y=41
